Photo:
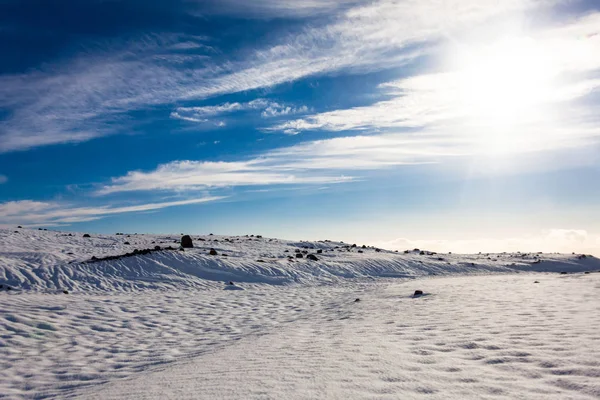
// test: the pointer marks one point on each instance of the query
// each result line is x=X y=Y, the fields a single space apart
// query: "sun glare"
x=503 y=86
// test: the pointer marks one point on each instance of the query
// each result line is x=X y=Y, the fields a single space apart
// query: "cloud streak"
x=203 y=114
x=36 y=213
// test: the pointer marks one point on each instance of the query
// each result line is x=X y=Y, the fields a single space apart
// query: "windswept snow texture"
x=170 y=325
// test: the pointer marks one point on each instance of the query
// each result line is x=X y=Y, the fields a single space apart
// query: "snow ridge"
x=38 y=260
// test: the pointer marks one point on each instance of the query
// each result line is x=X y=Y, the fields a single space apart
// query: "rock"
x=8 y=288
x=20 y=227
x=212 y=252
x=299 y=255
x=586 y=272
x=354 y=245
x=126 y=243
x=85 y=235
x=186 y=242
x=357 y=300
x=65 y=291
x=563 y=272
x=360 y=251
x=418 y=293
x=319 y=251
x=312 y=257
x=422 y=253
x=231 y=283
x=286 y=251
x=156 y=247
x=536 y=282
x=363 y=246
x=378 y=250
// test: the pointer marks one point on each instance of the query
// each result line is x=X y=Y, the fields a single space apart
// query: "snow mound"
x=35 y=260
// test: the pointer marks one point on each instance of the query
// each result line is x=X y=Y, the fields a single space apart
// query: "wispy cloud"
x=3 y=179
x=197 y=175
x=205 y=114
x=36 y=213
x=91 y=95
x=266 y=9
x=316 y=162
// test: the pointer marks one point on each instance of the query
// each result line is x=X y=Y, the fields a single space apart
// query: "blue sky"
x=458 y=126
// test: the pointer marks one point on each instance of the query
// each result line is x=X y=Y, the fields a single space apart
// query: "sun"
x=506 y=80
x=502 y=87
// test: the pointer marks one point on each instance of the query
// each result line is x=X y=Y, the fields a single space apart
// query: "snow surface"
x=168 y=324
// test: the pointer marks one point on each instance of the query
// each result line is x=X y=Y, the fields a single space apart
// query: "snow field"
x=489 y=337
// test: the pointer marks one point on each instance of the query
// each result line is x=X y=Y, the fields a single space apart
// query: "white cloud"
x=266 y=9
x=204 y=114
x=551 y=240
x=317 y=162
x=89 y=96
x=196 y=175
x=29 y=212
x=3 y=179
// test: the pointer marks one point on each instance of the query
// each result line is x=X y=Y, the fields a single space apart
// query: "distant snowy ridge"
x=36 y=260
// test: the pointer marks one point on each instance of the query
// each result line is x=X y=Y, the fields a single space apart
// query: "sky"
x=462 y=125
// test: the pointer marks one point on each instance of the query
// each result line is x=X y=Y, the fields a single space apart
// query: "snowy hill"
x=289 y=326
x=42 y=260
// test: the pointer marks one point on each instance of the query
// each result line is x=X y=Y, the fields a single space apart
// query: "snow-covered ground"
x=160 y=325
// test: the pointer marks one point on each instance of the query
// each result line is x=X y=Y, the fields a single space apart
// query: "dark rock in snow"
x=319 y=251
x=65 y=291
x=586 y=272
x=212 y=252
x=563 y=272
x=357 y=300
x=299 y=255
x=418 y=293
x=536 y=282
x=312 y=257
x=360 y=251
x=156 y=247
x=126 y=243
x=20 y=227
x=85 y=235
x=186 y=242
